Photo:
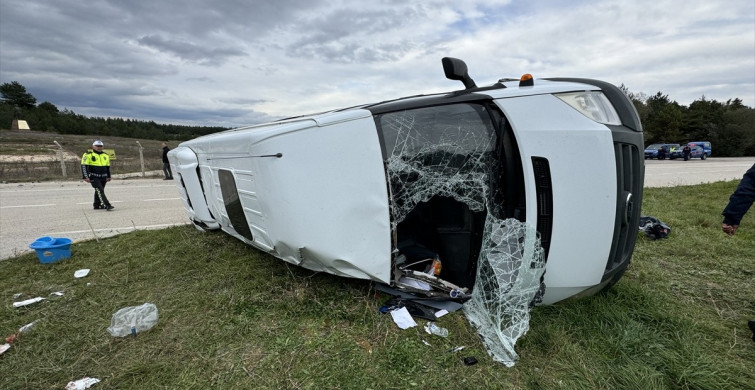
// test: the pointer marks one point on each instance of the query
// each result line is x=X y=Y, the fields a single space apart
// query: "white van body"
x=318 y=191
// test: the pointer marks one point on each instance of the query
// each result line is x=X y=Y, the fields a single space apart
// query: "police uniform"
x=95 y=166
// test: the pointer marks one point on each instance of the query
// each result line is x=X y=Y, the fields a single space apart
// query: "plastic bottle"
x=436 y=330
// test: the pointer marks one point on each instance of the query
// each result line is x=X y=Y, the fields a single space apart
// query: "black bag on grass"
x=654 y=228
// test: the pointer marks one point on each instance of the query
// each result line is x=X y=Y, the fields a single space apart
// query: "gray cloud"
x=189 y=51
x=238 y=62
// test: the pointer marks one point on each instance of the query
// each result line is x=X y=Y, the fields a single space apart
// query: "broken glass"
x=509 y=273
x=450 y=152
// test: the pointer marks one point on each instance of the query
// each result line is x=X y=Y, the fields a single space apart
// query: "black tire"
x=704 y=156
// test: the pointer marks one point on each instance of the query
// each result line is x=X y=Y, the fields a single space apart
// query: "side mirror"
x=456 y=69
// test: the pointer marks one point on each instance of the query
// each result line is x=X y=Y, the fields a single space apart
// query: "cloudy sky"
x=234 y=62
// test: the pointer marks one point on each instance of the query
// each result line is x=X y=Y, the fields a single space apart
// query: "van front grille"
x=544 y=192
x=629 y=182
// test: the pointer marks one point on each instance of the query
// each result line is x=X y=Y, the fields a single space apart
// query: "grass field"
x=232 y=317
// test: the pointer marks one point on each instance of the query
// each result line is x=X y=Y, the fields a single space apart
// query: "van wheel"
x=704 y=156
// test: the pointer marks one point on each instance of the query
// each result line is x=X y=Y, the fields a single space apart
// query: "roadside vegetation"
x=233 y=317
x=33 y=155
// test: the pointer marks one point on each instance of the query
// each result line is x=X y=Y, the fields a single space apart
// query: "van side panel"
x=326 y=199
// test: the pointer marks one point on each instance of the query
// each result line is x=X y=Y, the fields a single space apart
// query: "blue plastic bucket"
x=50 y=250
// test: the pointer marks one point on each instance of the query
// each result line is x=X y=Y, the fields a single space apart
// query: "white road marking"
x=58 y=189
x=28 y=205
x=114 y=201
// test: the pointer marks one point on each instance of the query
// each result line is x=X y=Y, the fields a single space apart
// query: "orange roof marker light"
x=526 y=80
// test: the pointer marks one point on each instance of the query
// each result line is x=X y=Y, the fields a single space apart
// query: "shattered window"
x=442 y=150
x=441 y=157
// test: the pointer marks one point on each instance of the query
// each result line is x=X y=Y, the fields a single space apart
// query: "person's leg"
x=96 y=202
x=99 y=192
x=166 y=171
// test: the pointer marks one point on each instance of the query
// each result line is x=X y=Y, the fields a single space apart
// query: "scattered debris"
x=15 y=296
x=470 y=361
x=456 y=349
x=4 y=348
x=448 y=305
x=432 y=328
x=415 y=309
x=654 y=228
x=426 y=343
x=133 y=319
x=27 y=302
x=27 y=327
x=81 y=384
x=10 y=339
x=441 y=313
x=81 y=273
x=402 y=318
x=58 y=293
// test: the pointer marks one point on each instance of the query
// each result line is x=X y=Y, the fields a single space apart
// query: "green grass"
x=232 y=317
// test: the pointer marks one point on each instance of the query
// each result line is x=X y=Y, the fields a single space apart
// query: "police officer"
x=95 y=169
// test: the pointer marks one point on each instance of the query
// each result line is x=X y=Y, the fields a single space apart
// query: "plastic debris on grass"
x=402 y=318
x=82 y=384
x=432 y=328
x=27 y=302
x=133 y=319
x=81 y=273
x=27 y=327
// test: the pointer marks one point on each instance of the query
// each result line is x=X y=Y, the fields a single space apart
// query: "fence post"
x=141 y=157
x=62 y=160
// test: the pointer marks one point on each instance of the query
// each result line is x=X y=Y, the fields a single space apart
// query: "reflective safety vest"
x=95 y=165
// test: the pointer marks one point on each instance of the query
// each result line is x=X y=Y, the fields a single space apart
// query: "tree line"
x=15 y=102
x=729 y=126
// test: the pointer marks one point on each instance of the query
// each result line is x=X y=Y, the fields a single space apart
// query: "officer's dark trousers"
x=166 y=171
x=100 y=200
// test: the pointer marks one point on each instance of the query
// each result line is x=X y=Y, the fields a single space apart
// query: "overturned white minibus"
x=421 y=192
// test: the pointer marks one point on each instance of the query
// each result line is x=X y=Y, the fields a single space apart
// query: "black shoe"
x=167 y=178
x=99 y=207
x=108 y=208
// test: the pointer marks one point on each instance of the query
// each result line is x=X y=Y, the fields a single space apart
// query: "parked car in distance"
x=703 y=144
x=695 y=152
x=651 y=151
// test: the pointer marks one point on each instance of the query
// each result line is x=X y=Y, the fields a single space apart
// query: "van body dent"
x=364 y=191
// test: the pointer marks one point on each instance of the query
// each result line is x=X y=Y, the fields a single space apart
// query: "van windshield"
x=449 y=179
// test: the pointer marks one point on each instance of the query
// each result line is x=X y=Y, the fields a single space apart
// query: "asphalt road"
x=64 y=209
